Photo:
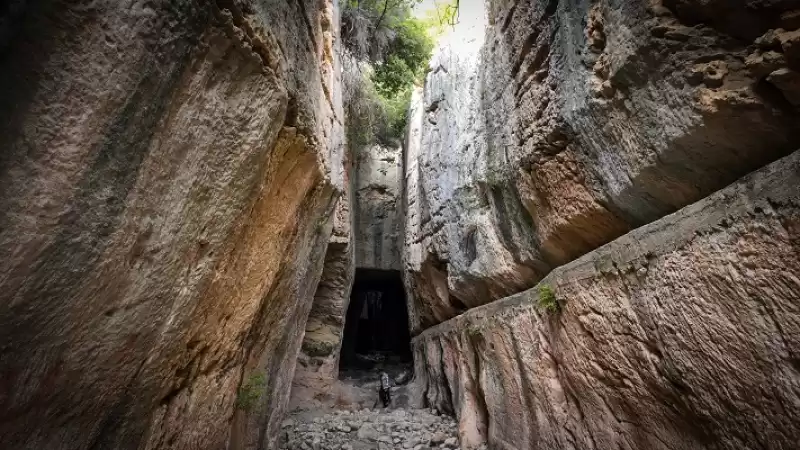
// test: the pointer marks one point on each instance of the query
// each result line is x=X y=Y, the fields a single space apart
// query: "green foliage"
x=389 y=51
x=363 y=107
x=448 y=13
x=369 y=26
x=407 y=58
x=473 y=331
x=547 y=299
x=250 y=392
x=395 y=108
x=443 y=16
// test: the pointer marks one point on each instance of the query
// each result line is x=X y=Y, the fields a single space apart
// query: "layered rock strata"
x=576 y=122
x=168 y=171
x=682 y=334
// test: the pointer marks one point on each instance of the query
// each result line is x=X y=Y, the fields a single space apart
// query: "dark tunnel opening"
x=376 y=331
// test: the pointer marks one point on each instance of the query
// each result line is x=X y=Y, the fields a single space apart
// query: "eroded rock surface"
x=576 y=122
x=317 y=371
x=168 y=171
x=378 y=207
x=682 y=334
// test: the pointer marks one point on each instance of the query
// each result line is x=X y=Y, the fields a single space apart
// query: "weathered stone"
x=168 y=170
x=368 y=431
x=572 y=123
x=788 y=82
x=378 y=207
x=438 y=438
x=454 y=256
x=318 y=363
x=680 y=334
x=762 y=64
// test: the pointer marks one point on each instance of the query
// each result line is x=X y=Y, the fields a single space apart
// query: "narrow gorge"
x=575 y=226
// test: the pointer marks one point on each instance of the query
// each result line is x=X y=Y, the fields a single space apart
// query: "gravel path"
x=370 y=429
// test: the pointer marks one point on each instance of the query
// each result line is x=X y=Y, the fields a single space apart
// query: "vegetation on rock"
x=250 y=391
x=387 y=53
x=547 y=299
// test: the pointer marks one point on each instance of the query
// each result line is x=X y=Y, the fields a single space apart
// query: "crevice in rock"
x=376 y=330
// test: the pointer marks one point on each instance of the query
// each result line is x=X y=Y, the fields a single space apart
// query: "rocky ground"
x=380 y=429
x=356 y=422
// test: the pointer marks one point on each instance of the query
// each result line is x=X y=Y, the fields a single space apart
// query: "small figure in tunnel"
x=385 y=393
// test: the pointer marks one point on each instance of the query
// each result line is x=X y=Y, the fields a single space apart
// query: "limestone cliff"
x=683 y=334
x=378 y=207
x=557 y=150
x=180 y=223
x=367 y=235
x=168 y=173
x=318 y=361
x=571 y=123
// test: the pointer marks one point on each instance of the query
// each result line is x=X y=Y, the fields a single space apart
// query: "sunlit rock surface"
x=570 y=124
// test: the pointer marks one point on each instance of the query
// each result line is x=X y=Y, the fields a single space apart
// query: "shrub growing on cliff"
x=250 y=391
x=363 y=109
x=406 y=59
x=547 y=299
x=387 y=52
x=370 y=27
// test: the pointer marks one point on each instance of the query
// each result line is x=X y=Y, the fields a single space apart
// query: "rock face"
x=318 y=362
x=574 y=123
x=366 y=235
x=179 y=224
x=378 y=207
x=168 y=171
x=560 y=143
x=684 y=333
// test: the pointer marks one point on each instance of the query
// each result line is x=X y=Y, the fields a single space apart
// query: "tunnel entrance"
x=376 y=332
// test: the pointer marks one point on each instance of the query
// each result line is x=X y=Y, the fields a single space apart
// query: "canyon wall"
x=323 y=338
x=168 y=172
x=572 y=123
x=683 y=334
x=317 y=371
x=367 y=235
x=378 y=207
x=596 y=154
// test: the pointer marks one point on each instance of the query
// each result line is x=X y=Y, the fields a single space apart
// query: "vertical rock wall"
x=576 y=122
x=378 y=207
x=318 y=362
x=683 y=334
x=367 y=234
x=562 y=143
x=167 y=173
x=455 y=252
x=325 y=325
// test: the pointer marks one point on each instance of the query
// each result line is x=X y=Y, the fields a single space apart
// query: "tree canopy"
x=390 y=49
